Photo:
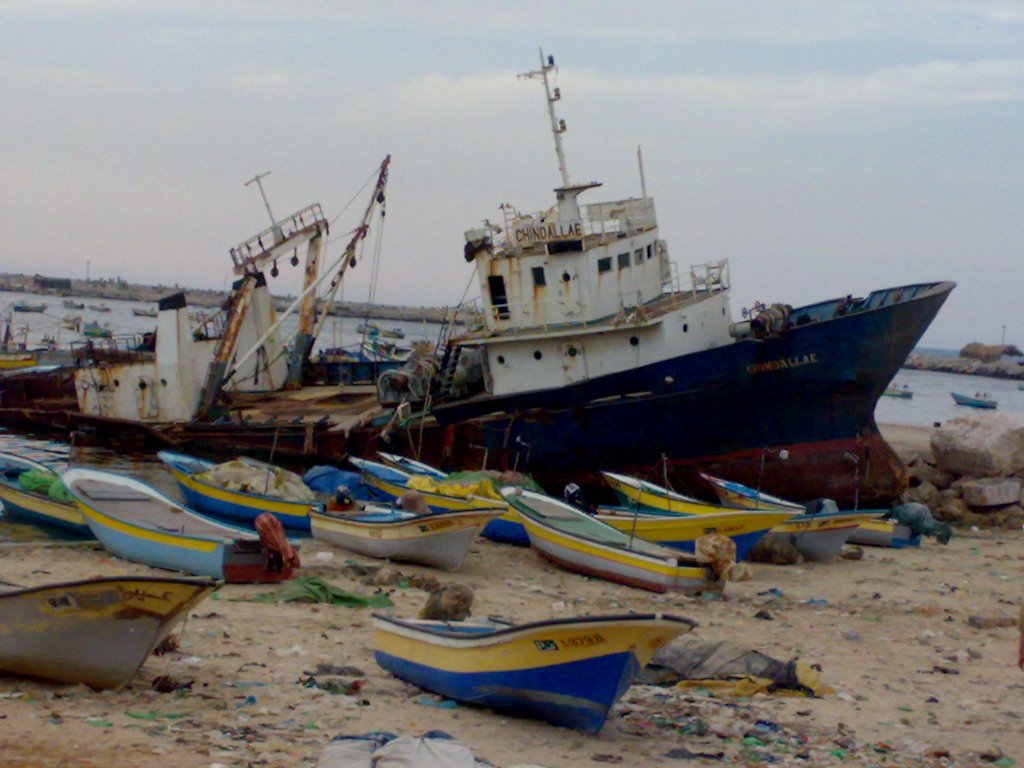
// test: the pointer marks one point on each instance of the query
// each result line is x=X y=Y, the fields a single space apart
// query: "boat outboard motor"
x=574 y=495
x=821 y=507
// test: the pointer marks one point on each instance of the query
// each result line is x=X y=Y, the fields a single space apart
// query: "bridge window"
x=499 y=299
x=650 y=251
x=539 y=281
x=638 y=256
x=605 y=264
x=623 y=260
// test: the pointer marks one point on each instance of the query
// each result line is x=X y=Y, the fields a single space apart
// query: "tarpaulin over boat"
x=326 y=479
x=255 y=477
x=483 y=483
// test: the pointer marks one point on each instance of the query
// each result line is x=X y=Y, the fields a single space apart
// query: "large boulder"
x=991 y=492
x=980 y=445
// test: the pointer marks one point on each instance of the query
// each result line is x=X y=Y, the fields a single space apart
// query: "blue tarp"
x=325 y=479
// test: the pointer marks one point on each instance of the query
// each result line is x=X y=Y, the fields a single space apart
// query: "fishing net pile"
x=485 y=483
x=250 y=476
x=45 y=482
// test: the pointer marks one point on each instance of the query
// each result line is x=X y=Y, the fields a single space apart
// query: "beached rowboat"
x=744 y=527
x=223 y=502
x=33 y=506
x=391 y=482
x=138 y=523
x=97 y=631
x=577 y=542
x=568 y=672
x=438 y=539
x=874 y=532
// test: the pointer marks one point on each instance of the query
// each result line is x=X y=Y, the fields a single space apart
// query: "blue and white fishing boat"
x=137 y=522
x=214 y=499
x=978 y=400
x=569 y=672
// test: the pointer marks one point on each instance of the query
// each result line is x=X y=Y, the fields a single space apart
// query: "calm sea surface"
x=930 y=404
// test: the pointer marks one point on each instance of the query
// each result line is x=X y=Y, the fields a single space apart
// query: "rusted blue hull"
x=811 y=390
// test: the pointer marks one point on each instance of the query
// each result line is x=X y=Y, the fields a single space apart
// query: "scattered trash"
x=437 y=702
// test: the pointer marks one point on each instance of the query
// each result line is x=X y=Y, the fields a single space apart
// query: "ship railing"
x=274 y=235
x=711 y=277
x=124 y=348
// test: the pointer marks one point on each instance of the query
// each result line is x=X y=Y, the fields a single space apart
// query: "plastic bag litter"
x=260 y=479
x=379 y=749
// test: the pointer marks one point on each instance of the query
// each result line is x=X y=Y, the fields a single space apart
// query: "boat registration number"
x=579 y=641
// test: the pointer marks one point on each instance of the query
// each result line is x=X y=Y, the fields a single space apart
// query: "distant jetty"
x=197 y=297
x=974 y=360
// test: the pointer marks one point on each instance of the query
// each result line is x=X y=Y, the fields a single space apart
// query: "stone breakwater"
x=209 y=299
x=973 y=471
x=1003 y=369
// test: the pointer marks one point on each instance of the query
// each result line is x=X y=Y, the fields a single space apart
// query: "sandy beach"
x=914 y=683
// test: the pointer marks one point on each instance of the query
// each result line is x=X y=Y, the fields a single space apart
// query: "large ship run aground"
x=592 y=356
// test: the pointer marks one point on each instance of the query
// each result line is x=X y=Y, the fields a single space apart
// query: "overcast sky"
x=824 y=148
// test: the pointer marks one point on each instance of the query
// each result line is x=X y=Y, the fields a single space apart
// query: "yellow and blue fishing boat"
x=574 y=540
x=96 y=631
x=876 y=532
x=819 y=536
x=646 y=496
x=138 y=523
x=744 y=527
x=240 y=505
x=438 y=539
x=391 y=482
x=34 y=506
x=569 y=672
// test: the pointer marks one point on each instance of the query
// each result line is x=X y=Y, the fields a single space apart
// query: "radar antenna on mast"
x=557 y=126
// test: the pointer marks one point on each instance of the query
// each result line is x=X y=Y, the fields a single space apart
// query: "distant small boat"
x=35 y=506
x=438 y=539
x=577 y=542
x=72 y=323
x=101 y=307
x=17 y=359
x=138 y=523
x=22 y=306
x=904 y=392
x=144 y=312
x=569 y=672
x=979 y=400
x=1020 y=385
x=69 y=304
x=93 y=330
x=96 y=631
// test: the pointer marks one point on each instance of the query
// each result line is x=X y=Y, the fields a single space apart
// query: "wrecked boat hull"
x=811 y=390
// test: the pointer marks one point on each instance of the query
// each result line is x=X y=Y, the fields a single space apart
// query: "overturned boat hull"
x=97 y=631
